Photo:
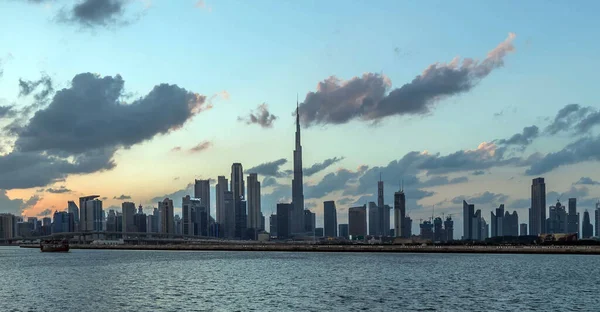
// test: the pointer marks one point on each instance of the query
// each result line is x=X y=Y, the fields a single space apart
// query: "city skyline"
x=504 y=104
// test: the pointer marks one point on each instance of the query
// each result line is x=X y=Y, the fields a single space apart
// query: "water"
x=105 y=280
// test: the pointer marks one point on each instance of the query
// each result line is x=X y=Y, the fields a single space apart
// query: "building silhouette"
x=386 y=220
x=357 y=221
x=344 y=231
x=86 y=216
x=220 y=189
x=63 y=222
x=330 y=218
x=597 y=215
x=468 y=215
x=573 y=217
x=238 y=191
x=426 y=230
x=229 y=220
x=273 y=225
x=297 y=182
x=587 y=229
x=284 y=211
x=399 y=213
x=373 y=219
x=139 y=220
x=72 y=208
x=537 y=212
x=128 y=212
x=166 y=216
x=497 y=222
x=557 y=219
x=381 y=208
x=448 y=229
x=523 y=229
x=407 y=227
x=310 y=221
x=438 y=230
x=254 y=209
x=202 y=192
x=6 y=226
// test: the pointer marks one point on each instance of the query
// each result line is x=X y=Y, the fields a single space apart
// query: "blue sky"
x=269 y=51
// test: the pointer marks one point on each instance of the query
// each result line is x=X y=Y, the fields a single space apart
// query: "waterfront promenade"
x=583 y=250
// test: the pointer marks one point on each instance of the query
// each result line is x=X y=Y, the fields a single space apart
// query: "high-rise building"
x=597 y=215
x=373 y=219
x=557 y=220
x=573 y=217
x=485 y=228
x=6 y=226
x=228 y=227
x=468 y=214
x=284 y=217
x=449 y=229
x=72 y=208
x=438 y=230
x=63 y=222
x=330 y=218
x=93 y=214
x=537 y=212
x=128 y=212
x=241 y=219
x=189 y=216
x=155 y=221
x=523 y=229
x=497 y=222
x=140 y=221
x=273 y=225
x=426 y=230
x=587 y=229
x=380 y=208
x=343 y=231
x=86 y=217
x=310 y=221
x=386 y=220
x=254 y=209
x=166 y=215
x=357 y=222
x=238 y=191
x=407 y=227
x=111 y=221
x=399 y=213
x=297 y=183
x=511 y=224
x=221 y=188
x=319 y=232
x=202 y=192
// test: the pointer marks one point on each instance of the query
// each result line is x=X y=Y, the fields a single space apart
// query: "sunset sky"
x=134 y=99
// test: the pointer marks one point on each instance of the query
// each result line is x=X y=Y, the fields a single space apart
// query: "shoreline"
x=580 y=250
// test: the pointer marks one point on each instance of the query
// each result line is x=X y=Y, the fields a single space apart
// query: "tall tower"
x=537 y=212
x=238 y=190
x=297 y=183
x=380 y=207
x=254 y=213
x=399 y=213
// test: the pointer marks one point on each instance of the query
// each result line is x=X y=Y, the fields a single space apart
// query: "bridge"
x=132 y=237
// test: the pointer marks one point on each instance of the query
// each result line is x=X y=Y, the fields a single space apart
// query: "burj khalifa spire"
x=297 y=183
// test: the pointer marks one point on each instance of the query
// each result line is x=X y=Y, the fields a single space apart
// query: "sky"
x=134 y=99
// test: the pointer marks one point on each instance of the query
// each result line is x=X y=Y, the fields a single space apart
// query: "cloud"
x=268 y=181
x=176 y=149
x=586 y=181
x=524 y=138
x=93 y=13
x=202 y=146
x=584 y=149
x=45 y=212
x=7 y=111
x=365 y=98
x=261 y=116
x=332 y=182
x=442 y=180
x=85 y=124
x=321 y=166
x=574 y=117
x=176 y=196
x=27 y=87
x=15 y=206
x=344 y=201
x=484 y=198
x=60 y=190
x=122 y=197
x=269 y=169
x=478 y=172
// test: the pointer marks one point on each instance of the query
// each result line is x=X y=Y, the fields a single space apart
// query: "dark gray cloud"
x=580 y=193
x=85 y=124
x=45 y=212
x=365 y=98
x=268 y=181
x=269 y=169
x=584 y=149
x=485 y=198
x=16 y=205
x=62 y=189
x=332 y=182
x=27 y=87
x=94 y=13
x=202 y=146
x=442 y=180
x=177 y=196
x=6 y=111
x=261 y=116
x=321 y=166
x=523 y=139
x=576 y=118
x=122 y=197
x=587 y=181
x=478 y=172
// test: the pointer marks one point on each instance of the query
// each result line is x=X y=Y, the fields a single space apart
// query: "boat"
x=54 y=246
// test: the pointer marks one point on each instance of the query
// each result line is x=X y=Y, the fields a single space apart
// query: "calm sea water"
x=102 y=280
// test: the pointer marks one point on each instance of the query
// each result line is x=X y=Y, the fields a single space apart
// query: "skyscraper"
x=438 y=230
x=93 y=215
x=399 y=213
x=537 y=212
x=510 y=224
x=189 y=215
x=273 y=225
x=587 y=229
x=380 y=208
x=523 y=229
x=573 y=217
x=407 y=227
x=72 y=208
x=468 y=214
x=297 y=225
x=373 y=219
x=254 y=209
x=386 y=220
x=557 y=220
x=449 y=229
x=228 y=228
x=343 y=231
x=202 y=192
x=357 y=221
x=238 y=191
x=128 y=210
x=330 y=218
x=139 y=221
x=166 y=215
x=221 y=188
x=597 y=215
x=496 y=221
x=86 y=221
x=6 y=226
x=310 y=220
x=283 y=220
